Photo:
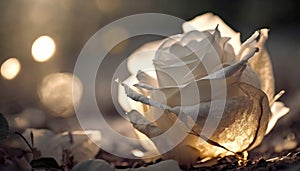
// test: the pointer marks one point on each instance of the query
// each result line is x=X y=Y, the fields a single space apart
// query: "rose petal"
x=186 y=61
x=209 y=21
x=244 y=121
x=278 y=110
x=250 y=42
x=145 y=78
x=127 y=103
x=262 y=65
x=250 y=77
x=180 y=51
x=186 y=94
x=237 y=126
x=143 y=125
x=168 y=139
x=142 y=58
x=260 y=107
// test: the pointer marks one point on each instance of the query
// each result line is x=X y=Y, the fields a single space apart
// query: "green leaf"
x=45 y=163
x=4 y=128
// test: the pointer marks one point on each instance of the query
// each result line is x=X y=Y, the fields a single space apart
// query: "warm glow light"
x=56 y=94
x=43 y=48
x=10 y=68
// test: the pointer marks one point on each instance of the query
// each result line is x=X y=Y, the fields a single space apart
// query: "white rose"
x=174 y=77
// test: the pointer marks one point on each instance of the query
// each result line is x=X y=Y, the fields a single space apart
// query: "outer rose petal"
x=278 y=110
x=250 y=77
x=262 y=65
x=126 y=103
x=209 y=21
x=261 y=62
x=141 y=59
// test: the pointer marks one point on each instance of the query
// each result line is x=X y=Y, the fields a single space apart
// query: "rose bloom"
x=203 y=75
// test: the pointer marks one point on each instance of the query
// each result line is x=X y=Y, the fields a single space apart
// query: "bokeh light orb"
x=55 y=93
x=43 y=48
x=10 y=68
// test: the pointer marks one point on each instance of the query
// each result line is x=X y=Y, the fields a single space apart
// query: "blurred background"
x=40 y=41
